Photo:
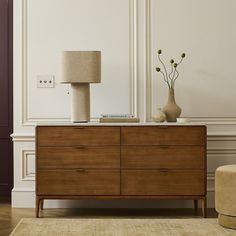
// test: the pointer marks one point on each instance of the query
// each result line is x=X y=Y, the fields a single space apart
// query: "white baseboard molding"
x=25 y=198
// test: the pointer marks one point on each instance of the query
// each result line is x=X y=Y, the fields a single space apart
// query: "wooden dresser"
x=137 y=161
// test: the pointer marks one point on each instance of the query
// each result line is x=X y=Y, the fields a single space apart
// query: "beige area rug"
x=120 y=227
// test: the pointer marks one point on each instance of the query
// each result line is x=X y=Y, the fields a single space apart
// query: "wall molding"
x=148 y=63
x=221 y=137
x=26 y=120
x=149 y=77
x=15 y=190
x=215 y=120
x=133 y=56
x=211 y=182
x=26 y=173
x=23 y=137
x=222 y=152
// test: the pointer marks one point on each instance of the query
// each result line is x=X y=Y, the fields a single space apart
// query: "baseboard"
x=23 y=198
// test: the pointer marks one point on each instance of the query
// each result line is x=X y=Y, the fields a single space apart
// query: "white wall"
x=128 y=32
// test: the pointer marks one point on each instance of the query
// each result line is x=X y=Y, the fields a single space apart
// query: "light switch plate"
x=45 y=81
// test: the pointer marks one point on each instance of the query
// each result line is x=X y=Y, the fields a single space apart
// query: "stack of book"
x=113 y=118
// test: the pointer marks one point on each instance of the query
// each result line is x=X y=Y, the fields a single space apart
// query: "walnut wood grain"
x=182 y=157
x=162 y=182
x=78 y=135
x=163 y=135
x=122 y=162
x=79 y=157
x=79 y=182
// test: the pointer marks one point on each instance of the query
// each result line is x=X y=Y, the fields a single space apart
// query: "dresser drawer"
x=163 y=135
x=78 y=182
x=78 y=157
x=162 y=182
x=179 y=157
x=77 y=135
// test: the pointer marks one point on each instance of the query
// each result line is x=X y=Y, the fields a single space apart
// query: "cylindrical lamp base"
x=80 y=102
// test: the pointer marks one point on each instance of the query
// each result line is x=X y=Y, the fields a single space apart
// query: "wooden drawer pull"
x=164 y=170
x=80 y=170
x=80 y=147
x=164 y=146
x=80 y=127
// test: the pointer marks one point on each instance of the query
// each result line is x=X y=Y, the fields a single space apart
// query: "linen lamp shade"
x=80 y=68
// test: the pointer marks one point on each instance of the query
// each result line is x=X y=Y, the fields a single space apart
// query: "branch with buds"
x=174 y=74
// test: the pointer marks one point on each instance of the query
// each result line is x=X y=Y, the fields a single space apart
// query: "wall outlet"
x=45 y=81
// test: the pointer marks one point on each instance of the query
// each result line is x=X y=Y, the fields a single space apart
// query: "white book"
x=118 y=115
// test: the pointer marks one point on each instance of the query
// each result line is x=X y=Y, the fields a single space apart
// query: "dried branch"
x=174 y=74
x=159 y=53
x=165 y=79
x=172 y=79
x=182 y=57
x=159 y=70
x=172 y=69
x=175 y=77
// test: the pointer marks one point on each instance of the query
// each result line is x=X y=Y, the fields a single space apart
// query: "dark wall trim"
x=6 y=97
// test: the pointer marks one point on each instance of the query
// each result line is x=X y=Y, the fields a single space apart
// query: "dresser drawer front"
x=78 y=182
x=162 y=182
x=179 y=157
x=78 y=157
x=163 y=135
x=78 y=135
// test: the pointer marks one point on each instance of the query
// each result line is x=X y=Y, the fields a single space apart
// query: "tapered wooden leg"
x=37 y=206
x=204 y=207
x=195 y=205
x=41 y=204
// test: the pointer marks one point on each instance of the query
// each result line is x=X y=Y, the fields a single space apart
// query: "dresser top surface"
x=122 y=124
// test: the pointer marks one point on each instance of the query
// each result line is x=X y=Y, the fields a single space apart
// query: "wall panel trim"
x=26 y=174
x=149 y=77
x=26 y=120
x=23 y=137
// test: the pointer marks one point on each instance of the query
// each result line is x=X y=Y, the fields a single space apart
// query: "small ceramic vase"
x=171 y=109
x=159 y=116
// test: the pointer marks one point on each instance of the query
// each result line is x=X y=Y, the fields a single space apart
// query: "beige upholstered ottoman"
x=225 y=195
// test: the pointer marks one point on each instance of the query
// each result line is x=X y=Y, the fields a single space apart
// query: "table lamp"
x=80 y=68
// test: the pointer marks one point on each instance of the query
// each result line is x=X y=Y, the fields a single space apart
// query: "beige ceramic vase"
x=171 y=109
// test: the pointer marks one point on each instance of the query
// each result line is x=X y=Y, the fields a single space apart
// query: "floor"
x=10 y=217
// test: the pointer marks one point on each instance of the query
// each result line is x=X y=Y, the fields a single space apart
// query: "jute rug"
x=120 y=227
